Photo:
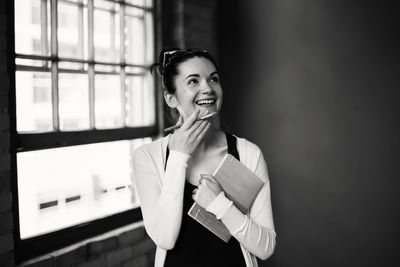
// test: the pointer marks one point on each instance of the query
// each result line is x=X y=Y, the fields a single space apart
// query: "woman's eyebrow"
x=197 y=75
x=192 y=75
x=213 y=73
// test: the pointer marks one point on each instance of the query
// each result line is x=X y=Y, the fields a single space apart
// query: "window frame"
x=29 y=248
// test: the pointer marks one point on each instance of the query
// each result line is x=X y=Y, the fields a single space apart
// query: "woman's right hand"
x=189 y=135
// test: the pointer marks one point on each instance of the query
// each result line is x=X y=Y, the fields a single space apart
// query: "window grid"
x=51 y=63
x=54 y=65
x=47 y=59
x=91 y=66
x=122 y=59
x=43 y=25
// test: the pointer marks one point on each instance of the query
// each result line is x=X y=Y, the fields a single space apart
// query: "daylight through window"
x=84 y=100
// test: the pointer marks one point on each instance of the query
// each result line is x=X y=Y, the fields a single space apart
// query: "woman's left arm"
x=255 y=231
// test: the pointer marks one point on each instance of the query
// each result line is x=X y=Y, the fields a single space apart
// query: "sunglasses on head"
x=168 y=55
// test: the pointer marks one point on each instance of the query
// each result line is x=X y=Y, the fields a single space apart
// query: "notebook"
x=240 y=185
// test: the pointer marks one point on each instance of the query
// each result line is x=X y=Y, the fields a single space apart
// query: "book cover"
x=239 y=184
x=209 y=221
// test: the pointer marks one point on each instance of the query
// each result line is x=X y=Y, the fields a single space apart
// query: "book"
x=209 y=221
x=239 y=184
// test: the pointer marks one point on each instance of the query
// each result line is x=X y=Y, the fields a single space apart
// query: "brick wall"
x=200 y=27
x=190 y=23
x=120 y=248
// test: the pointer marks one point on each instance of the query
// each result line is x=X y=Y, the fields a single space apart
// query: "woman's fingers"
x=203 y=181
x=202 y=130
x=190 y=134
x=180 y=121
x=194 y=192
x=206 y=191
x=190 y=120
x=208 y=176
x=197 y=126
x=207 y=180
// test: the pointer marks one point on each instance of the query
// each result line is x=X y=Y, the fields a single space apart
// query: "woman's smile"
x=207 y=104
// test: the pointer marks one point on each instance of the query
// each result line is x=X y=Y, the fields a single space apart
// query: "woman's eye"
x=192 y=81
x=215 y=79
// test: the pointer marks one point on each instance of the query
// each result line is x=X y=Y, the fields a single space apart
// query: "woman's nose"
x=207 y=88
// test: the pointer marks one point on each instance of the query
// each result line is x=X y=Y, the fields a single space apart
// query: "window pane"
x=62 y=187
x=106 y=34
x=149 y=101
x=72 y=66
x=73 y=101
x=33 y=94
x=108 y=103
x=107 y=68
x=136 y=2
x=149 y=38
x=32 y=31
x=70 y=30
x=105 y=4
x=140 y=106
x=144 y=3
x=33 y=62
x=135 y=70
x=135 y=36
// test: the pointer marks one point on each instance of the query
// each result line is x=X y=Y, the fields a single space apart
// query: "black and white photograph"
x=199 y=133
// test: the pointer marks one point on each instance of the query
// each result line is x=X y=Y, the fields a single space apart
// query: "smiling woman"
x=175 y=171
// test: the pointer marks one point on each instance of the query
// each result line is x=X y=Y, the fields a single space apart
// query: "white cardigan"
x=161 y=196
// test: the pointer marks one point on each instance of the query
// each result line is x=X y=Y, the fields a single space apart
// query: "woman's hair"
x=169 y=61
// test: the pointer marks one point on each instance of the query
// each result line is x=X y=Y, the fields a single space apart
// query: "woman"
x=174 y=171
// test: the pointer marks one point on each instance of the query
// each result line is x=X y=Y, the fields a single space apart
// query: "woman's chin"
x=207 y=110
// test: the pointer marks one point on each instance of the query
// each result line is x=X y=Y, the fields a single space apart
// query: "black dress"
x=197 y=246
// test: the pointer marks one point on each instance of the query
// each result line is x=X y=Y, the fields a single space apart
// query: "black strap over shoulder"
x=232 y=146
x=231 y=141
x=166 y=158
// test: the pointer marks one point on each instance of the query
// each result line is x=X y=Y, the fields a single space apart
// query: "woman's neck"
x=214 y=138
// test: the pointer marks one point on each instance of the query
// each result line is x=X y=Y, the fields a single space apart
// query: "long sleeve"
x=161 y=199
x=255 y=231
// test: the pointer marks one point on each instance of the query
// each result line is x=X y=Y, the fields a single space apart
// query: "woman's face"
x=197 y=88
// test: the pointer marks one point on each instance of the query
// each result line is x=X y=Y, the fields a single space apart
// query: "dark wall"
x=6 y=194
x=316 y=85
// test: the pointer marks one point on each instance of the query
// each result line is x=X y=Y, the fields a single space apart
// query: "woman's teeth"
x=205 y=102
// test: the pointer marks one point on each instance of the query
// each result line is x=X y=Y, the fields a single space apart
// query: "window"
x=84 y=101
